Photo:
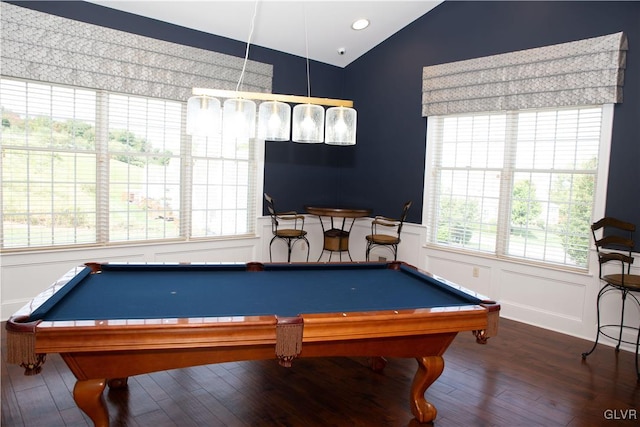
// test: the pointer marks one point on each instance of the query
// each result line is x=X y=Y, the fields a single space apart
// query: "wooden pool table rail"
x=101 y=352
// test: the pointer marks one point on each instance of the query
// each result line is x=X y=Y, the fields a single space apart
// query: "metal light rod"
x=262 y=96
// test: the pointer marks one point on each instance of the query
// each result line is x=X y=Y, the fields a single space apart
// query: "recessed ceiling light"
x=360 y=24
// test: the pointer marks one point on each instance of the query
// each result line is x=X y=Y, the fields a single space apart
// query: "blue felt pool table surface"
x=148 y=291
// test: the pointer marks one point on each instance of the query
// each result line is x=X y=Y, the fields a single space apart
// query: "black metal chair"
x=295 y=231
x=616 y=244
x=390 y=238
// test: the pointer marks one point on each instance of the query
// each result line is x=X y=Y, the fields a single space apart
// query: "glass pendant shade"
x=308 y=123
x=203 y=116
x=274 y=121
x=239 y=119
x=340 y=126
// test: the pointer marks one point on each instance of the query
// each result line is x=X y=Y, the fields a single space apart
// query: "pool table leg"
x=118 y=382
x=377 y=364
x=88 y=397
x=429 y=369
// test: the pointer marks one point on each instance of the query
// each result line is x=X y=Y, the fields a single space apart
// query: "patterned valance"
x=44 y=47
x=583 y=72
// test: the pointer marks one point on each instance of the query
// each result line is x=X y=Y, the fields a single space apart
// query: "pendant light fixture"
x=203 y=116
x=308 y=124
x=238 y=119
x=276 y=122
x=340 y=126
x=308 y=119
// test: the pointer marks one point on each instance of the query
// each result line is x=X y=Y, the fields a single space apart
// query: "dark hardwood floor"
x=526 y=376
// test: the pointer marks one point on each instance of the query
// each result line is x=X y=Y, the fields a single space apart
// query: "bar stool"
x=616 y=244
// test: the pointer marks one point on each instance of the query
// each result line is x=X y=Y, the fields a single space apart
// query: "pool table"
x=111 y=321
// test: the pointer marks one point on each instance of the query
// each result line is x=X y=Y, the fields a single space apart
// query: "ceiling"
x=280 y=25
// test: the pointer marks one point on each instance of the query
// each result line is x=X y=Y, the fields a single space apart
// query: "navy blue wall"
x=386 y=167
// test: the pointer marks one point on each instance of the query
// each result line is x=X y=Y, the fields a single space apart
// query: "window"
x=144 y=168
x=48 y=165
x=92 y=167
x=224 y=176
x=517 y=184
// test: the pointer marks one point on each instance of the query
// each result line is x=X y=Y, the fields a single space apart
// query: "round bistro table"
x=337 y=229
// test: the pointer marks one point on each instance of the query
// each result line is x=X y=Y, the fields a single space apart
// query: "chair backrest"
x=272 y=210
x=613 y=239
x=403 y=216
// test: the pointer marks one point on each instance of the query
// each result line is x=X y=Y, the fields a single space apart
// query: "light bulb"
x=239 y=119
x=274 y=123
x=340 y=128
x=307 y=126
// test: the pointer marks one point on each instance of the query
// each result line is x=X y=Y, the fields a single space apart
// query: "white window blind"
x=516 y=184
x=144 y=168
x=48 y=165
x=224 y=186
x=91 y=167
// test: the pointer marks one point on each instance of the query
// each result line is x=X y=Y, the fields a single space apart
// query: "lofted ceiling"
x=280 y=25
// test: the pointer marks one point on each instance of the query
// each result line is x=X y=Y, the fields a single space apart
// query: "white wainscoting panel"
x=555 y=299
x=23 y=275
